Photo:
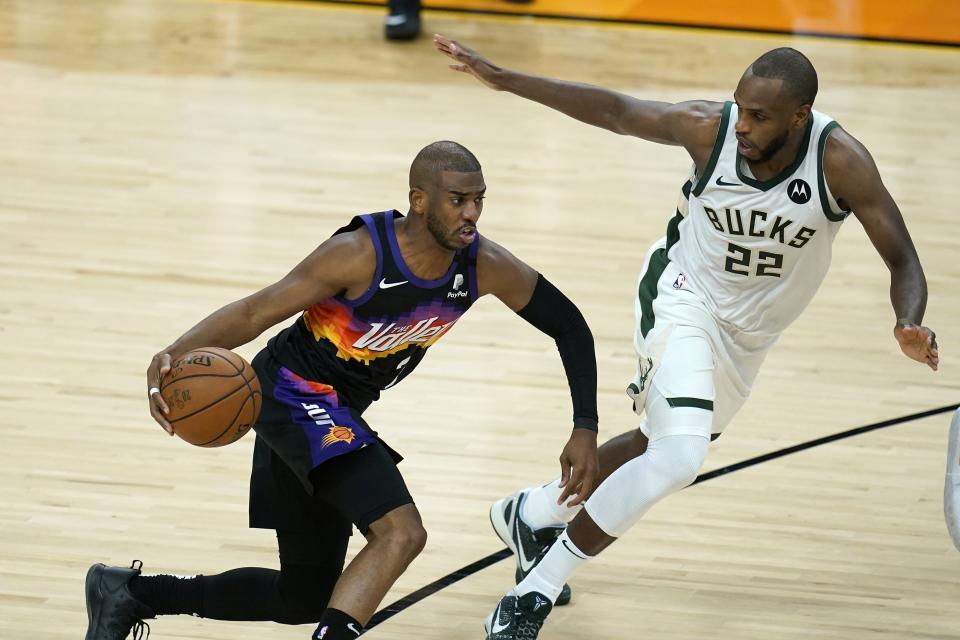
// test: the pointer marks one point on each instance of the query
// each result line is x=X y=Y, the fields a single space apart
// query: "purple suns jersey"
x=366 y=345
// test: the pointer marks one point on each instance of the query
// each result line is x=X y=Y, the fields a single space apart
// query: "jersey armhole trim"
x=832 y=216
x=368 y=221
x=717 y=148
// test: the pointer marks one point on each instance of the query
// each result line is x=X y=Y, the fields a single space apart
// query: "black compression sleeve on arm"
x=554 y=314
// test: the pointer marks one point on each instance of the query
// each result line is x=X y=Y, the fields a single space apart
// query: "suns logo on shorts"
x=337 y=434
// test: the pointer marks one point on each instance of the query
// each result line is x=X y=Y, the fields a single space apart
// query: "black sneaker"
x=518 y=617
x=403 y=22
x=112 y=611
x=528 y=546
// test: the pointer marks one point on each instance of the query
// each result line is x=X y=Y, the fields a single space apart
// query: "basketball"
x=214 y=396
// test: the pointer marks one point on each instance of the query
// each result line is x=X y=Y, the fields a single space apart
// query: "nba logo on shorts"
x=680 y=281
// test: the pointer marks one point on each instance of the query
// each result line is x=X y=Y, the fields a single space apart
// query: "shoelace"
x=137 y=632
x=546 y=547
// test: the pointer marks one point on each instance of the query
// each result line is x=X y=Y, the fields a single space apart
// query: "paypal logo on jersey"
x=456 y=293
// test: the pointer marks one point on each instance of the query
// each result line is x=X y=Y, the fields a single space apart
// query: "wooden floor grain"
x=159 y=159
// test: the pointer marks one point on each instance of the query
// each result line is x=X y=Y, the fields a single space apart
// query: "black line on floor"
x=393 y=609
x=407 y=601
x=824 y=440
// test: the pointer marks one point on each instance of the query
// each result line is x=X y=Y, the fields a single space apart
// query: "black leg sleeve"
x=298 y=594
x=243 y=594
x=310 y=566
x=239 y=594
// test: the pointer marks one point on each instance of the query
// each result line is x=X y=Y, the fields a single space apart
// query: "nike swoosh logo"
x=526 y=564
x=352 y=628
x=386 y=285
x=721 y=183
x=496 y=627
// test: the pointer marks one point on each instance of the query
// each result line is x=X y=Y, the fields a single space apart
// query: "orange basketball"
x=214 y=396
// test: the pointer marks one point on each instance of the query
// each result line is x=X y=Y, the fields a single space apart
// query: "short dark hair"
x=434 y=158
x=795 y=69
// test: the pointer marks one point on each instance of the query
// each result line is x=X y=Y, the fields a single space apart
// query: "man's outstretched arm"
x=855 y=181
x=690 y=124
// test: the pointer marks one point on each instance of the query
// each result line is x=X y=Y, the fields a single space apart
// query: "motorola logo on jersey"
x=385 y=338
x=799 y=191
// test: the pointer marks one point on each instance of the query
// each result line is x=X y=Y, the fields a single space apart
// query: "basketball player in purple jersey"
x=374 y=298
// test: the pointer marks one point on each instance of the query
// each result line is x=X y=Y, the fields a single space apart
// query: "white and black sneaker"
x=518 y=617
x=528 y=545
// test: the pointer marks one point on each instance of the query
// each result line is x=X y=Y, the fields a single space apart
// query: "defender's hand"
x=579 y=466
x=158 y=368
x=467 y=61
x=919 y=343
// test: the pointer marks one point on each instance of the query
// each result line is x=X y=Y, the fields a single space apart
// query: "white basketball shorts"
x=696 y=362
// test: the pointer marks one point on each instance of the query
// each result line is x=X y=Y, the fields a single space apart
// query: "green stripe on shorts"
x=648 y=289
x=698 y=403
x=648 y=283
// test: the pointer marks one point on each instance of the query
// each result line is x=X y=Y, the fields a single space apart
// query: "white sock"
x=540 y=508
x=557 y=566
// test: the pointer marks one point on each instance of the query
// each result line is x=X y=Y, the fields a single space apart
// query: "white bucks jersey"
x=754 y=250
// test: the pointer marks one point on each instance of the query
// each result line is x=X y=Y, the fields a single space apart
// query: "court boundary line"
x=408 y=601
x=945 y=44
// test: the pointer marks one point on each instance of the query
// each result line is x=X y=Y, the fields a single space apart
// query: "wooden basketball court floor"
x=159 y=159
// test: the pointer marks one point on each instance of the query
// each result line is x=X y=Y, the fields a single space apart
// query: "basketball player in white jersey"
x=749 y=244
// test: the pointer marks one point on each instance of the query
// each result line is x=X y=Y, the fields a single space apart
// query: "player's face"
x=766 y=117
x=454 y=208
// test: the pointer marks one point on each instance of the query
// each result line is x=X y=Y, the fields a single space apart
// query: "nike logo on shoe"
x=353 y=628
x=387 y=285
x=526 y=564
x=721 y=183
x=496 y=627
